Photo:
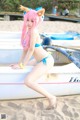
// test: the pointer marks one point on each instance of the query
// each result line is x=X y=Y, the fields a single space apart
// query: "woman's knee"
x=28 y=81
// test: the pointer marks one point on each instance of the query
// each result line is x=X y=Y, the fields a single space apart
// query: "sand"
x=68 y=107
x=46 y=26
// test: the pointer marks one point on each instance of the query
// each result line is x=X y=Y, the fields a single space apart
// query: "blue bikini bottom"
x=44 y=60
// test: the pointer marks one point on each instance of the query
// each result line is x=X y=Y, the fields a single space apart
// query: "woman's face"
x=29 y=23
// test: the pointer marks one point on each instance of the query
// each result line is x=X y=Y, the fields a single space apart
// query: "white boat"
x=11 y=50
x=64 y=39
x=11 y=53
x=10 y=47
x=61 y=80
x=7 y=36
x=64 y=55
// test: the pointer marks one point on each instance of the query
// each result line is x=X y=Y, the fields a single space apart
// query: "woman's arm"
x=30 y=49
x=23 y=56
x=26 y=55
x=17 y=65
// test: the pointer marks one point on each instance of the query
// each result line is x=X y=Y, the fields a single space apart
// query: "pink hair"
x=31 y=15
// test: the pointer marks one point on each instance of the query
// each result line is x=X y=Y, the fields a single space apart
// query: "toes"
x=50 y=107
x=52 y=104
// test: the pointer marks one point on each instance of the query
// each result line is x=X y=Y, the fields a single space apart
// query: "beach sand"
x=45 y=26
x=68 y=107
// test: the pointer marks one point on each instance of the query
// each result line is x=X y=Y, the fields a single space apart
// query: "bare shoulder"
x=35 y=33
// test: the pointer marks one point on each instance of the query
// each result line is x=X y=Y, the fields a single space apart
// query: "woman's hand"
x=15 y=66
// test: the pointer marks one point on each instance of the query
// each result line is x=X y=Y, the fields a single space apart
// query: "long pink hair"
x=31 y=15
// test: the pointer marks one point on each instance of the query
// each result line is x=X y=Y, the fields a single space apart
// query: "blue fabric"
x=24 y=13
x=74 y=34
x=44 y=60
x=59 y=36
x=37 y=45
x=54 y=10
x=70 y=35
x=38 y=8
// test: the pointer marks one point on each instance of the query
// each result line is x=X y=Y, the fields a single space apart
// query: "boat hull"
x=11 y=49
x=12 y=55
x=58 y=83
x=8 y=56
x=10 y=52
x=6 y=36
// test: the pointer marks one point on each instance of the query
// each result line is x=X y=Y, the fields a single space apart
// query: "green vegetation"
x=13 y=5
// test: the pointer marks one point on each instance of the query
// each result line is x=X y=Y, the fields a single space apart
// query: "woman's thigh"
x=39 y=70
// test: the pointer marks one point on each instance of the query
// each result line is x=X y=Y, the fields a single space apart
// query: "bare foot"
x=52 y=103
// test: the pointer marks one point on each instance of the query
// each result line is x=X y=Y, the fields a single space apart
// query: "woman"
x=31 y=44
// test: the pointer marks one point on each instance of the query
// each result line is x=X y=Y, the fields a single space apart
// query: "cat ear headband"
x=40 y=12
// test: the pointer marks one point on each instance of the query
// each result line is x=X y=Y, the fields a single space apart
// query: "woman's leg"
x=39 y=70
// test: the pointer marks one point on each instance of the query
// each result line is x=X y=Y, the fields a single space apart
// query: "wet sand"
x=68 y=107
